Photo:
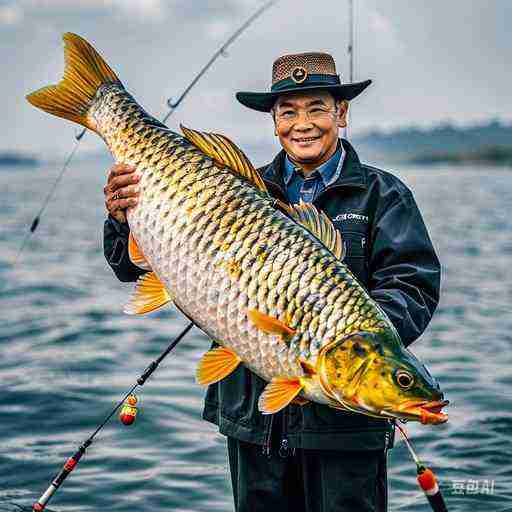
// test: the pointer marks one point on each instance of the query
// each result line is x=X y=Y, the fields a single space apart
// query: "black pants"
x=307 y=480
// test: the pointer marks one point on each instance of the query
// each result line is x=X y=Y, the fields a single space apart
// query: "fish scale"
x=264 y=284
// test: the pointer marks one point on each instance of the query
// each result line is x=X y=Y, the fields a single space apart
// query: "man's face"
x=307 y=125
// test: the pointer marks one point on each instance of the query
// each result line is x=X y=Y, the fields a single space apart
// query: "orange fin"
x=269 y=324
x=216 y=364
x=84 y=73
x=317 y=222
x=279 y=393
x=149 y=295
x=136 y=255
x=225 y=152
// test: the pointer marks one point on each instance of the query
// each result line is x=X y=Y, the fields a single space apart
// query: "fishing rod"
x=425 y=476
x=172 y=107
x=221 y=51
x=127 y=417
x=350 y=51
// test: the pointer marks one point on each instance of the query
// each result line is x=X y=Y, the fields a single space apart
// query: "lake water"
x=68 y=353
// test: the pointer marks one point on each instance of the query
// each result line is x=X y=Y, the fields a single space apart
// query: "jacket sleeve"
x=115 y=248
x=404 y=268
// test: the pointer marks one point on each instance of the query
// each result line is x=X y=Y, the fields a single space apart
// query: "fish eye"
x=404 y=379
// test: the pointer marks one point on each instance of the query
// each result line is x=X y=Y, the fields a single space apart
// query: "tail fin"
x=84 y=72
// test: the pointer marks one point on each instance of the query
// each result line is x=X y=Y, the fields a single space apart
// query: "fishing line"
x=172 y=107
x=35 y=223
x=72 y=462
x=221 y=51
x=425 y=476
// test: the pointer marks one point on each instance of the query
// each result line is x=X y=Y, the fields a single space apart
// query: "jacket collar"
x=353 y=174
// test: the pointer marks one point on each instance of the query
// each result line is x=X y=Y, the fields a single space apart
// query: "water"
x=68 y=353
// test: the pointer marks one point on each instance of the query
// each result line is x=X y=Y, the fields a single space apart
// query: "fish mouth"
x=428 y=413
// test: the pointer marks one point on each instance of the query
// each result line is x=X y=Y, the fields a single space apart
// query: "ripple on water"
x=69 y=353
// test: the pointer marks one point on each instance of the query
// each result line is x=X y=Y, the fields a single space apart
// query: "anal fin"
x=279 y=393
x=149 y=295
x=216 y=364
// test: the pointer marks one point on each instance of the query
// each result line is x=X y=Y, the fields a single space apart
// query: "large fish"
x=264 y=279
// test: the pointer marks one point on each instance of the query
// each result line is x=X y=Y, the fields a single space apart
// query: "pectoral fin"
x=136 y=255
x=149 y=295
x=216 y=364
x=269 y=324
x=278 y=394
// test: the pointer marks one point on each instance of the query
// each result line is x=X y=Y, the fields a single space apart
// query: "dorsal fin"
x=320 y=225
x=224 y=152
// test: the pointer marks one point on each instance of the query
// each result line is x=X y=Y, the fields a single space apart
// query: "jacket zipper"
x=388 y=434
x=284 y=448
x=268 y=438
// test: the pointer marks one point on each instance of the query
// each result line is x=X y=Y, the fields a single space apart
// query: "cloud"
x=150 y=10
x=384 y=31
x=143 y=10
x=10 y=14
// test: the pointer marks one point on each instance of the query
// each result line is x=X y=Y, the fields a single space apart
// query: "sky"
x=431 y=62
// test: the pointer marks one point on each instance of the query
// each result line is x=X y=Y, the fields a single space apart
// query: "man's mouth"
x=305 y=140
x=426 y=412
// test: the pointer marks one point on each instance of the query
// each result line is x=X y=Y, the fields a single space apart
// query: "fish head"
x=374 y=374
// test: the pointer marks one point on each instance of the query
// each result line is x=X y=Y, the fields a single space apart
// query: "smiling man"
x=314 y=458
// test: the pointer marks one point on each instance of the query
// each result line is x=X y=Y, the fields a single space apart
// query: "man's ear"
x=341 y=118
x=273 y=114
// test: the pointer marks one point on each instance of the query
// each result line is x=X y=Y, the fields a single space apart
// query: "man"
x=314 y=458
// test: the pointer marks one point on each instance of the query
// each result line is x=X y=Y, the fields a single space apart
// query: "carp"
x=264 y=279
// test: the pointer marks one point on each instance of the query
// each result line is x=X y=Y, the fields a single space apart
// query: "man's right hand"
x=121 y=191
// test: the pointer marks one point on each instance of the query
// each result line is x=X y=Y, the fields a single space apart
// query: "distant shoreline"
x=489 y=143
x=498 y=155
x=12 y=158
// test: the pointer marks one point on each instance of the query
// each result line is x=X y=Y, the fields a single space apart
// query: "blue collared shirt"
x=308 y=188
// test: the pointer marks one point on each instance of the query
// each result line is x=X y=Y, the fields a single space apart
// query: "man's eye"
x=288 y=114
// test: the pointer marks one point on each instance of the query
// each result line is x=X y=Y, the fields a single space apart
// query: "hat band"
x=311 y=80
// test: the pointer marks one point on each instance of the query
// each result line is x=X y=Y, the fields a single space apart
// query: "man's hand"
x=121 y=191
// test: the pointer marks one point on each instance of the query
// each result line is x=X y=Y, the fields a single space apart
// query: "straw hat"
x=302 y=72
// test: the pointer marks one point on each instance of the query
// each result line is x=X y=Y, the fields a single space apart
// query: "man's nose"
x=303 y=124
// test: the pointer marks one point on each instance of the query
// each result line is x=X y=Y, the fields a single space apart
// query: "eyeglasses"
x=290 y=116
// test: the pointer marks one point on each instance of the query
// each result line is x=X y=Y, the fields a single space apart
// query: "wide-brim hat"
x=302 y=72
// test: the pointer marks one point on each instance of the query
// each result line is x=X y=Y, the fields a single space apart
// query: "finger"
x=122 y=204
x=119 y=168
x=123 y=193
x=129 y=191
x=121 y=181
x=115 y=170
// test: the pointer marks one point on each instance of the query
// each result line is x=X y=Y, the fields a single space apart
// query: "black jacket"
x=389 y=251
